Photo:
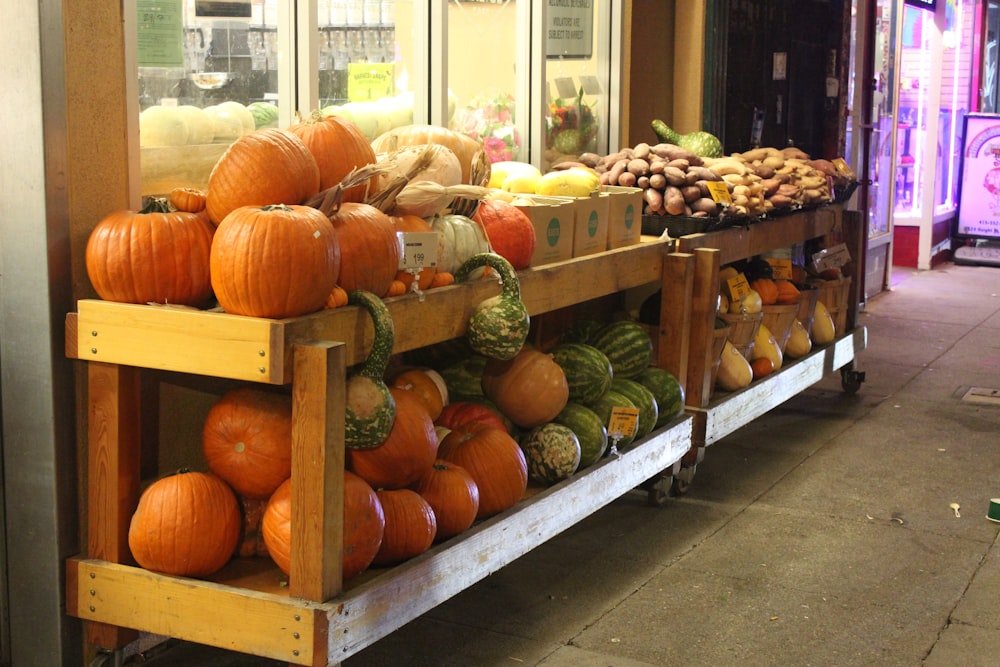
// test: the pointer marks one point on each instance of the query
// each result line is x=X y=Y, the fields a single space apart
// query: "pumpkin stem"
x=156 y=205
x=276 y=207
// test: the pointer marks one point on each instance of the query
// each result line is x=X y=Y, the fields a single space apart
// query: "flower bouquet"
x=571 y=126
x=490 y=119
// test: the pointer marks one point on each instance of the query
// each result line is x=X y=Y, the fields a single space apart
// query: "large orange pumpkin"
x=247 y=440
x=186 y=524
x=408 y=451
x=151 y=256
x=531 y=388
x=410 y=526
x=369 y=249
x=453 y=495
x=509 y=230
x=493 y=459
x=268 y=166
x=338 y=146
x=364 y=525
x=413 y=223
x=274 y=261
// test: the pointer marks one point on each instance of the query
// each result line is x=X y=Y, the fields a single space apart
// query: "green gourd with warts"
x=371 y=410
x=498 y=325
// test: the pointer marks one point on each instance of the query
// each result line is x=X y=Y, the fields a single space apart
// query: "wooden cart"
x=313 y=619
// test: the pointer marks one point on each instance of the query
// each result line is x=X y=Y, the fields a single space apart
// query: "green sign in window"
x=160 y=33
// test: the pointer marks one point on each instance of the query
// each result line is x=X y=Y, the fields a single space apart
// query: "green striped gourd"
x=603 y=407
x=588 y=370
x=627 y=346
x=668 y=392
x=643 y=399
x=552 y=452
x=589 y=430
x=498 y=325
x=370 y=409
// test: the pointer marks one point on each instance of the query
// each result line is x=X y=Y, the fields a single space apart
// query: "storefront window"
x=955 y=102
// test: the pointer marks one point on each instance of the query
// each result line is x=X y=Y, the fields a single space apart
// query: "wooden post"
x=318 y=397
x=704 y=304
x=675 y=315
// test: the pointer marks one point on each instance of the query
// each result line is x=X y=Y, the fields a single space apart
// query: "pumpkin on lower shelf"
x=155 y=255
x=498 y=325
x=453 y=495
x=530 y=389
x=493 y=459
x=186 y=524
x=410 y=526
x=364 y=526
x=425 y=383
x=247 y=440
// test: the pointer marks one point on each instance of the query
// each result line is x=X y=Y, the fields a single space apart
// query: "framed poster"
x=979 y=187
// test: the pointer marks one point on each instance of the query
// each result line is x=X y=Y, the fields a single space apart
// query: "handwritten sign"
x=160 y=39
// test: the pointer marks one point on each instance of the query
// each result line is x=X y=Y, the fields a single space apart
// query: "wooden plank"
x=277 y=627
x=318 y=398
x=373 y=610
x=704 y=306
x=673 y=346
x=732 y=411
x=113 y=473
x=180 y=339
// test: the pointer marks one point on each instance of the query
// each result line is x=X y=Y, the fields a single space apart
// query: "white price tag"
x=417 y=250
x=833 y=257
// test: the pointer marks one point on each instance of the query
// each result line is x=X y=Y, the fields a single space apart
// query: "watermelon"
x=603 y=407
x=588 y=370
x=581 y=331
x=589 y=430
x=668 y=392
x=643 y=399
x=627 y=346
x=464 y=378
x=265 y=114
x=552 y=452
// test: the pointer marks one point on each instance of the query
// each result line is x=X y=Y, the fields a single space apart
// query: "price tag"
x=623 y=422
x=841 y=165
x=370 y=81
x=417 y=250
x=833 y=257
x=780 y=267
x=738 y=287
x=719 y=191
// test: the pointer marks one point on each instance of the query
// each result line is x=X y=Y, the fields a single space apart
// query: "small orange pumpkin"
x=410 y=526
x=419 y=381
x=453 y=495
x=338 y=297
x=788 y=293
x=493 y=459
x=509 y=230
x=767 y=289
x=191 y=200
x=368 y=247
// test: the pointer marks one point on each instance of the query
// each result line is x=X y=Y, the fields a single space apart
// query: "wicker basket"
x=719 y=338
x=833 y=294
x=779 y=320
x=807 y=307
x=742 y=330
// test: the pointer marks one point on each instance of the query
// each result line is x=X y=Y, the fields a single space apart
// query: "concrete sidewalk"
x=820 y=534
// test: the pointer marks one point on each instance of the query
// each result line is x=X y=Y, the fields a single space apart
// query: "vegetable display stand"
x=719 y=414
x=310 y=617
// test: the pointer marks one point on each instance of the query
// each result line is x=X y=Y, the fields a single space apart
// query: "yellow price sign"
x=369 y=81
x=780 y=267
x=623 y=422
x=719 y=192
x=739 y=287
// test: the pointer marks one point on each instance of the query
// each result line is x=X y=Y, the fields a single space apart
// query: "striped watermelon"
x=603 y=407
x=668 y=392
x=588 y=370
x=581 y=331
x=627 y=345
x=464 y=379
x=552 y=452
x=589 y=430
x=643 y=399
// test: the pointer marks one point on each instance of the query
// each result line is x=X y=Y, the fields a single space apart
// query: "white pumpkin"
x=459 y=238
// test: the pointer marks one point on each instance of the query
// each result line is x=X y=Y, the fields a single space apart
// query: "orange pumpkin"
x=151 y=256
x=338 y=146
x=531 y=388
x=410 y=526
x=788 y=293
x=186 y=524
x=767 y=290
x=424 y=386
x=408 y=451
x=493 y=459
x=364 y=525
x=337 y=298
x=274 y=261
x=268 y=166
x=453 y=495
x=247 y=440
x=413 y=223
x=191 y=200
x=509 y=230
x=368 y=248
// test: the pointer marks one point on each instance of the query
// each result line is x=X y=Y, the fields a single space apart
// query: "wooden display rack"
x=315 y=619
x=719 y=415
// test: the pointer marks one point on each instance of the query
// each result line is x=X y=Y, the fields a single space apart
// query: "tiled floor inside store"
x=821 y=534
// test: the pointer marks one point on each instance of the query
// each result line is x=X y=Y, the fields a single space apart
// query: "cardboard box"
x=553 y=219
x=624 y=216
x=590 y=231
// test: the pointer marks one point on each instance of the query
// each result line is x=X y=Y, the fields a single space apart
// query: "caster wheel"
x=658 y=490
x=850 y=380
x=683 y=479
x=103 y=660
